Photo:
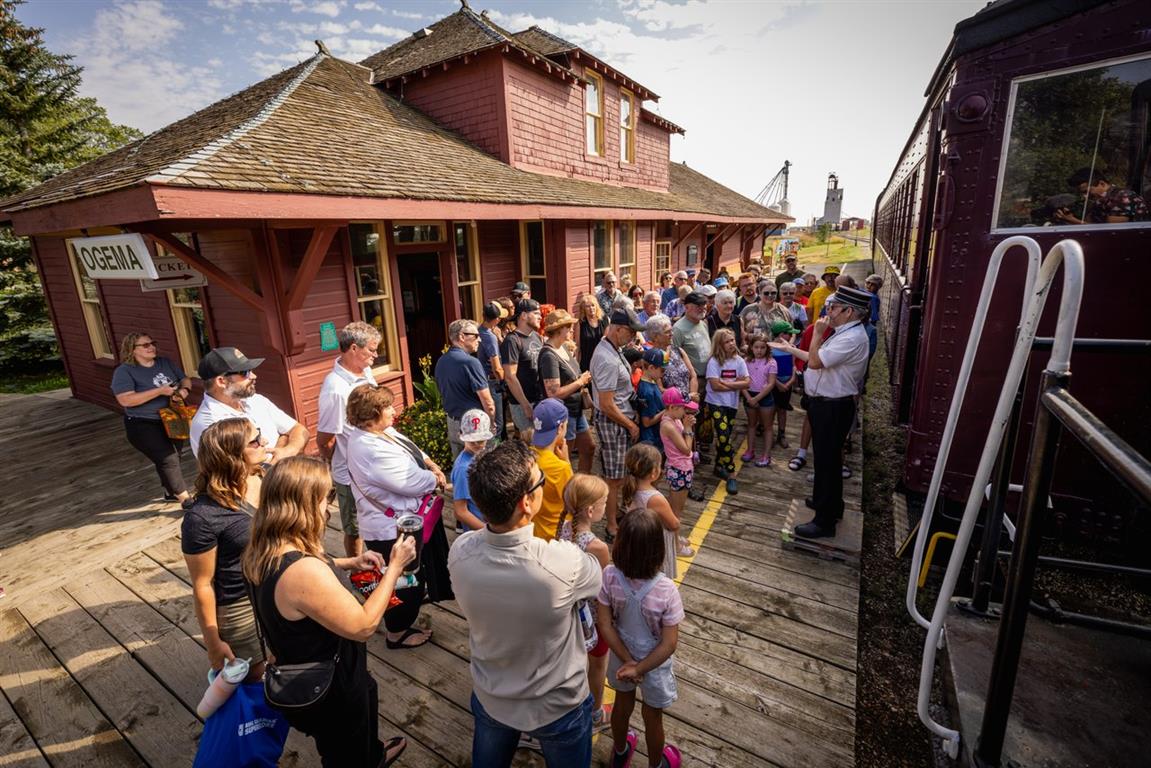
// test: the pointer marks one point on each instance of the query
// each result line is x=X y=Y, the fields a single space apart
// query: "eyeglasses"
x=537 y=485
x=145 y=344
x=469 y=335
x=255 y=441
x=769 y=293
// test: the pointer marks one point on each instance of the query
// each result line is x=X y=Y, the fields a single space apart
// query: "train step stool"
x=844 y=546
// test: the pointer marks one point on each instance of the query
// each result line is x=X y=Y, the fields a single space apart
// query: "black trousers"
x=831 y=421
x=402 y=616
x=149 y=438
x=346 y=726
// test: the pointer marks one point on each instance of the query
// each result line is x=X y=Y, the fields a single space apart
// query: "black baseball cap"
x=226 y=360
x=695 y=297
x=526 y=305
x=521 y=287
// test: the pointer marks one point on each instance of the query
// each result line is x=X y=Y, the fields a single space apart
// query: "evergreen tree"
x=45 y=128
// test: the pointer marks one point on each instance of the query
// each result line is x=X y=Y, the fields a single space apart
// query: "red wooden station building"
x=404 y=190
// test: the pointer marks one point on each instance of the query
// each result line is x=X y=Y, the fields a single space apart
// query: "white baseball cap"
x=475 y=426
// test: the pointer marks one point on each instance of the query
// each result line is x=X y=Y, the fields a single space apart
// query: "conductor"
x=836 y=367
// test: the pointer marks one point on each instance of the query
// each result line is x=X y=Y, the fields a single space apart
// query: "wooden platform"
x=103 y=661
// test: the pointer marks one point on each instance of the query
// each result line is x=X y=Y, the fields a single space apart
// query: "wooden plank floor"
x=103 y=661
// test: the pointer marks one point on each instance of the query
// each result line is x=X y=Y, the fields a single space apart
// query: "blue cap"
x=548 y=416
x=655 y=356
x=720 y=282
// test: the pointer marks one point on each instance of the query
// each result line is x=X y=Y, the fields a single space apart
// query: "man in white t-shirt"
x=230 y=392
x=359 y=345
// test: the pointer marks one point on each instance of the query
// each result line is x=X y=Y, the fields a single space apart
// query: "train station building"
x=404 y=190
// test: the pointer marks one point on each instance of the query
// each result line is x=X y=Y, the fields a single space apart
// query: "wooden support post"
x=310 y=266
x=686 y=235
x=217 y=275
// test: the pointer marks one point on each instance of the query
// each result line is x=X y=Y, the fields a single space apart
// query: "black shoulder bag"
x=294 y=687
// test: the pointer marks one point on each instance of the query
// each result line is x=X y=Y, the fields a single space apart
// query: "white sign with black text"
x=114 y=257
x=173 y=273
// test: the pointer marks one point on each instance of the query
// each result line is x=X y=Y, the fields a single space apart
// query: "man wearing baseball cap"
x=230 y=392
x=549 y=443
x=612 y=391
x=520 y=354
x=521 y=290
x=791 y=270
x=833 y=377
x=489 y=354
x=820 y=294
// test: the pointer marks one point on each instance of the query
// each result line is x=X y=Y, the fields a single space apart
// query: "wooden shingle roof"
x=544 y=42
x=322 y=128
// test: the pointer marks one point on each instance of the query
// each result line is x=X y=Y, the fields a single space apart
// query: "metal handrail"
x=1069 y=255
x=1034 y=255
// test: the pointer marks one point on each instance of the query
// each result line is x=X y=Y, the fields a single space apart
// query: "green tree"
x=45 y=128
x=822 y=232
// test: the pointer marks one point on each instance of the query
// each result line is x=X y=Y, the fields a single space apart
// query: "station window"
x=662 y=258
x=601 y=250
x=373 y=289
x=626 y=126
x=593 y=107
x=191 y=329
x=626 y=250
x=92 y=308
x=1076 y=149
x=467 y=272
x=534 y=262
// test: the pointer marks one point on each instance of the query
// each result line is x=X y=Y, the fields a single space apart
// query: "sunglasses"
x=538 y=484
x=145 y=345
x=770 y=293
x=469 y=335
x=255 y=441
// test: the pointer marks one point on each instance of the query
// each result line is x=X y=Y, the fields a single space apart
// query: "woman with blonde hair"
x=143 y=383
x=213 y=535
x=591 y=327
x=305 y=605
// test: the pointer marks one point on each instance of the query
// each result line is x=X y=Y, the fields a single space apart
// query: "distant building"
x=853 y=222
x=833 y=203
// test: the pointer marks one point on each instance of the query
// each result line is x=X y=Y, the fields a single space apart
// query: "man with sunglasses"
x=519 y=595
x=461 y=380
x=230 y=392
x=359 y=345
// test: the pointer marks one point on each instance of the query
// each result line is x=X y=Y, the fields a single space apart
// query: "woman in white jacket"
x=390 y=477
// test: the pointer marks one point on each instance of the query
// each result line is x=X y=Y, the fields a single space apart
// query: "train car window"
x=1076 y=153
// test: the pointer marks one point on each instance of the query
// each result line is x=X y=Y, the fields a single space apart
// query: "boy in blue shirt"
x=649 y=392
x=475 y=432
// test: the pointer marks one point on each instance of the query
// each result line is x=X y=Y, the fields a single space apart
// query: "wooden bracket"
x=217 y=275
x=310 y=266
x=686 y=235
x=724 y=238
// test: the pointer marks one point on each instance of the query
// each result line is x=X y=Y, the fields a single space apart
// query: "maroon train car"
x=1029 y=94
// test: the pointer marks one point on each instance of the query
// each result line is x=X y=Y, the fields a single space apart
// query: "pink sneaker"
x=748 y=455
x=623 y=759
x=763 y=461
x=671 y=757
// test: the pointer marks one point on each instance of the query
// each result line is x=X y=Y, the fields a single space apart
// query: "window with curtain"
x=593 y=107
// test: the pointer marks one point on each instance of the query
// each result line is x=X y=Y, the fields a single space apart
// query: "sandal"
x=402 y=643
x=845 y=472
x=685 y=550
x=695 y=494
x=623 y=759
x=781 y=440
x=391 y=744
x=748 y=455
x=601 y=719
x=763 y=461
x=797 y=463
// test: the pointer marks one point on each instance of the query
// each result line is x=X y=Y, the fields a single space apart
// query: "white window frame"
x=383 y=266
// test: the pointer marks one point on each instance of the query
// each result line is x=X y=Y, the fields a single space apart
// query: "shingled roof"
x=544 y=42
x=322 y=128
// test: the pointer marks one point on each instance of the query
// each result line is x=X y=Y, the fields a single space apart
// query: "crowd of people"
x=650 y=381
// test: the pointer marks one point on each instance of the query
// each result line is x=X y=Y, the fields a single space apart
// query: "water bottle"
x=222 y=685
x=587 y=624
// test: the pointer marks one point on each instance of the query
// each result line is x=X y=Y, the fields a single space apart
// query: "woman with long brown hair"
x=143 y=383
x=213 y=535
x=308 y=613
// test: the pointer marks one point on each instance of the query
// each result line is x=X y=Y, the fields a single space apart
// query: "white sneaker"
x=529 y=742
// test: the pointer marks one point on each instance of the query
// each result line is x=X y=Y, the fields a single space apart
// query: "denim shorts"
x=575 y=426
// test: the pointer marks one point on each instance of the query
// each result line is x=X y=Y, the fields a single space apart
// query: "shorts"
x=782 y=399
x=237 y=625
x=600 y=649
x=347 y=510
x=613 y=444
x=767 y=402
x=658 y=686
x=576 y=424
x=679 y=479
x=520 y=418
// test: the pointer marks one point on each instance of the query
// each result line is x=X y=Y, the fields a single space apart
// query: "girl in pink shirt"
x=759 y=399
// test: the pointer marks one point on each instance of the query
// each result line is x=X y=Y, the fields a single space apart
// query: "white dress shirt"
x=844 y=359
x=333 y=403
x=385 y=480
x=269 y=419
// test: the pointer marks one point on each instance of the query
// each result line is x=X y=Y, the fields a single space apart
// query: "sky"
x=832 y=86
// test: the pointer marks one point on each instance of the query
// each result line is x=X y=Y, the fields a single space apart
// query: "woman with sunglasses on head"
x=213 y=535
x=392 y=477
x=309 y=615
x=143 y=383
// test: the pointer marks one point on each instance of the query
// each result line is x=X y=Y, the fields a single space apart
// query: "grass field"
x=836 y=250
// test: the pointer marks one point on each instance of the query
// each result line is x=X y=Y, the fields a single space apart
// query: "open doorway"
x=422 y=301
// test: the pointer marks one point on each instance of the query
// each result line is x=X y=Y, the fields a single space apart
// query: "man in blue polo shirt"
x=461 y=380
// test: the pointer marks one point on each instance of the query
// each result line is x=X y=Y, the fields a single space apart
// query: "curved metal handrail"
x=1068 y=254
x=1034 y=256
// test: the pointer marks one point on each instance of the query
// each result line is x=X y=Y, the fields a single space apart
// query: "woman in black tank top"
x=304 y=602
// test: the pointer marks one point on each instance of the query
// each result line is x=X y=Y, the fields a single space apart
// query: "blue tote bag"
x=244 y=733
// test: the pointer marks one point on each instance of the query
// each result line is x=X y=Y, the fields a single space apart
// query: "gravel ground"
x=887 y=729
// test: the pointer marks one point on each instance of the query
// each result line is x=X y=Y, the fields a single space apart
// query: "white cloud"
x=383 y=31
x=128 y=66
x=368 y=7
x=326 y=8
x=407 y=14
